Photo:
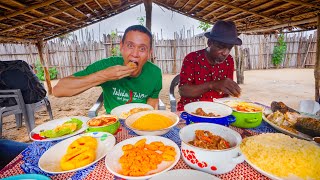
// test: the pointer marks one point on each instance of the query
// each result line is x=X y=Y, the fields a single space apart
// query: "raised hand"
x=226 y=86
x=116 y=72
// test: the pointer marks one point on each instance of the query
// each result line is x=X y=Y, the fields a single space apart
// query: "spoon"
x=316 y=139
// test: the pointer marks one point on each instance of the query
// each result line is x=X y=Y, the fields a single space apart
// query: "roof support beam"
x=33 y=7
x=317 y=64
x=90 y=9
x=87 y=20
x=44 y=17
x=296 y=23
x=248 y=11
x=39 y=13
x=83 y=14
x=148 y=8
x=110 y=4
x=185 y=5
x=303 y=3
x=55 y=8
x=16 y=39
x=97 y=2
x=194 y=7
x=238 y=14
x=203 y=8
x=233 y=16
x=175 y=3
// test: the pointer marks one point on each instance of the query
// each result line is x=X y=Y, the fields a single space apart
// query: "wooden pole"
x=239 y=65
x=39 y=45
x=317 y=65
x=148 y=8
x=174 y=68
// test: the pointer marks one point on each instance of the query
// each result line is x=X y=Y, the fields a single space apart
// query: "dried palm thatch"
x=30 y=20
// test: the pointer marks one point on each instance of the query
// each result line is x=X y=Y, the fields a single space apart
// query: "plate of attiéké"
x=279 y=156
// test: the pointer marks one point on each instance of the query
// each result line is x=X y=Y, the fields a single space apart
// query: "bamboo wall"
x=70 y=56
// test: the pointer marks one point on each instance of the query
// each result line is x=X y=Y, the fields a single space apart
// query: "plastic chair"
x=22 y=110
x=93 y=111
x=21 y=94
x=173 y=103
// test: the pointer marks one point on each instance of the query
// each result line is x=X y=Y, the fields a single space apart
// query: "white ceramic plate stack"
x=50 y=161
x=112 y=159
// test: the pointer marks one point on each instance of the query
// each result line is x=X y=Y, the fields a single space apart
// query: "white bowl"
x=118 y=111
x=112 y=158
x=217 y=108
x=211 y=161
x=172 y=116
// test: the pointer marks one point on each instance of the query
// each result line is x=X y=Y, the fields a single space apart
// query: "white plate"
x=127 y=107
x=54 y=123
x=112 y=159
x=185 y=174
x=271 y=176
x=50 y=161
x=298 y=135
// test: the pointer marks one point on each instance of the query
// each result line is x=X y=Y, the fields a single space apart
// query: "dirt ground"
x=263 y=86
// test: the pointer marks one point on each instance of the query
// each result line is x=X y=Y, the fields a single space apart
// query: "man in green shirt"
x=130 y=78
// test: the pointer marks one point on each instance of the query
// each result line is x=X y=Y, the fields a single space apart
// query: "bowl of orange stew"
x=211 y=148
x=104 y=123
x=248 y=114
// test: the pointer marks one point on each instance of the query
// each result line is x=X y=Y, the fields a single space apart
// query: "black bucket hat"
x=224 y=31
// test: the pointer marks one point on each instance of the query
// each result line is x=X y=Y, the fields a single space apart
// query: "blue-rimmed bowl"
x=225 y=118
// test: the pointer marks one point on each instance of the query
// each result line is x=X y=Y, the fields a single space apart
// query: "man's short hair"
x=139 y=28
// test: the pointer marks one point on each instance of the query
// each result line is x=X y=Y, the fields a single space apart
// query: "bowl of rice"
x=153 y=122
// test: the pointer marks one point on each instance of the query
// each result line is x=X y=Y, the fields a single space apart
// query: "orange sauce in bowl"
x=102 y=121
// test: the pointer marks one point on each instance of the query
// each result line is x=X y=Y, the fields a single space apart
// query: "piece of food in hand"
x=80 y=152
x=67 y=127
x=132 y=65
x=309 y=126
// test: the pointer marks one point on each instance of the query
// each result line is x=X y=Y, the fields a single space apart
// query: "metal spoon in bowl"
x=316 y=139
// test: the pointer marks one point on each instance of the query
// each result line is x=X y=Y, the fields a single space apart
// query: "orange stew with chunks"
x=245 y=107
x=102 y=121
x=207 y=140
x=200 y=112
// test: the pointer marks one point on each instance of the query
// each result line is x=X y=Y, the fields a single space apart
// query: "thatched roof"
x=31 y=20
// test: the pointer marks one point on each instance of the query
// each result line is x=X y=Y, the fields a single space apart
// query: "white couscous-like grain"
x=283 y=156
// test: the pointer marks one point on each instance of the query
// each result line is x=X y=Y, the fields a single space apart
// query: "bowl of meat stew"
x=211 y=148
x=208 y=112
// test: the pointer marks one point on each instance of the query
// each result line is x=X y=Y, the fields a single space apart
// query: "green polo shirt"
x=115 y=93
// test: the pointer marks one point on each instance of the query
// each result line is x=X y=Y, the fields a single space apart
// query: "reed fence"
x=72 y=55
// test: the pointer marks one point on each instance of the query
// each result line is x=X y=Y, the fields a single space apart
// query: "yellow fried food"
x=85 y=141
x=140 y=158
x=150 y=122
x=80 y=152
